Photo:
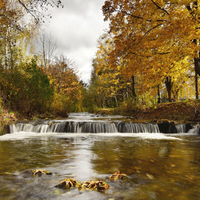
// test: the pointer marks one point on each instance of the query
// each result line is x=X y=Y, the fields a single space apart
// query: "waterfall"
x=84 y=127
x=91 y=123
x=137 y=128
x=195 y=130
x=181 y=128
x=99 y=127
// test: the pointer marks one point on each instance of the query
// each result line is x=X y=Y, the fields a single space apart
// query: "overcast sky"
x=77 y=27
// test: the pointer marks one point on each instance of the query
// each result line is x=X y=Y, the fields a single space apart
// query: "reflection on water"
x=157 y=169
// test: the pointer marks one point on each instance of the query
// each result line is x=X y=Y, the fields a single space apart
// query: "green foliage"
x=25 y=88
x=39 y=89
x=31 y=90
x=88 y=101
x=25 y=85
x=1 y=110
x=60 y=105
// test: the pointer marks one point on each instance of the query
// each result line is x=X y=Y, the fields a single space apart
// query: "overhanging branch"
x=159 y=7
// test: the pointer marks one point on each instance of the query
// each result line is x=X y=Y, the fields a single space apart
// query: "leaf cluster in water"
x=67 y=183
x=97 y=185
x=117 y=175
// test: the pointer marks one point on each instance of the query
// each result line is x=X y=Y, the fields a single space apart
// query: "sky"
x=77 y=28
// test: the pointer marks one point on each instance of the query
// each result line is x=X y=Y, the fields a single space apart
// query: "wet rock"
x=8 y=129
x=27 y=173
x=167 y=127
x=121 y=127
x=41 y=172
x=188 y=127
x=172 y=128
x=36 y=173
x=164 y=127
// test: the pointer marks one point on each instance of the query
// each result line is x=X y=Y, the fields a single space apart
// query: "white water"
x=90 y=125
x=84 y=127
x=33 y=135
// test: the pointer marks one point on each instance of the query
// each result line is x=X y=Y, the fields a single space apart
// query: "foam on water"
x=156 y=136
x=33 y=135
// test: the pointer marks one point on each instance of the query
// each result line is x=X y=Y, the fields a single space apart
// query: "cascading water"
x=181 y=128
x=195 y=130
x=90 y=123
x=85 y=127
x=137 y=128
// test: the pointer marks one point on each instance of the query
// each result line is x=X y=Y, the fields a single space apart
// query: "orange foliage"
x=68 y=88
x=155 y=38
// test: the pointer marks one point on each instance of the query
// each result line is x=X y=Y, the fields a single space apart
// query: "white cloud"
x=77 y=27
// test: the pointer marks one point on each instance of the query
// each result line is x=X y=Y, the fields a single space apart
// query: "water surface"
x=158 y=166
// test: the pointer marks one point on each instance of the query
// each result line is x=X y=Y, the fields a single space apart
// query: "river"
x=159 y=166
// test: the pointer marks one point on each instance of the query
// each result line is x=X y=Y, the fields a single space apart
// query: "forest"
x=32 y=79
x=148 y=57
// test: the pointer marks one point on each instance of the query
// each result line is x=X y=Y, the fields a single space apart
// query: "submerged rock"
x=36 y=173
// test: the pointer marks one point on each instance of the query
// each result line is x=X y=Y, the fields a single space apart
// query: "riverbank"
x=182 y=112
x=7 y=116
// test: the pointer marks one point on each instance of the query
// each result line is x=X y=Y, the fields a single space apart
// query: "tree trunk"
x=197 y=71
x=196 y=64
x=158 y=92
x=169 y=85
x=196 y=86
x=6 y=50
x=116 y=102
x=133 y=87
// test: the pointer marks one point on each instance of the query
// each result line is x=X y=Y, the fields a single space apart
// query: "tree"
x=34 y=7
x=25 y=88
x=46 y=46
x=21 y=18
x=23 y=85
x=152 y=36
x=16 y=31
x=68 y=88
x=110 y=84
x=39 y=89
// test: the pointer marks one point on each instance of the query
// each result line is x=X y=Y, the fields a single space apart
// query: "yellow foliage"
x=153 y=40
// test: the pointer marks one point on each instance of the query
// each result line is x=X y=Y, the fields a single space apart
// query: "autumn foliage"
x=149 y=54
x=26 y=85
